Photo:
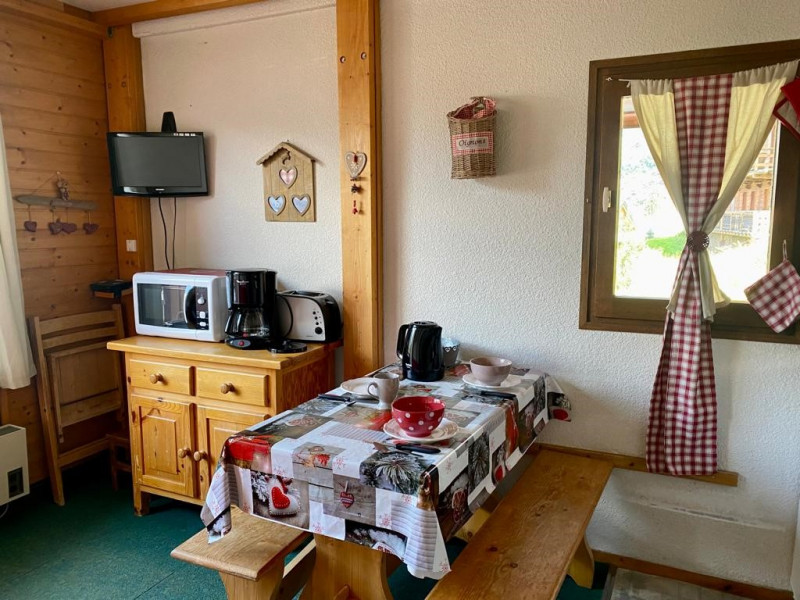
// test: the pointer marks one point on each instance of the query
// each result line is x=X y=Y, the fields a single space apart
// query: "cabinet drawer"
x=161 y=376
x=232 y=386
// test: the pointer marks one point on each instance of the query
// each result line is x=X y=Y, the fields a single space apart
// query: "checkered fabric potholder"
x=776 y=296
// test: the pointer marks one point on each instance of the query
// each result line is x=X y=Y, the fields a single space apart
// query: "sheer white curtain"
x=16 y=361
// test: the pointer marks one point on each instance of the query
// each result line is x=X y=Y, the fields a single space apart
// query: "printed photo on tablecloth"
x=539 y=396
x=452 y=508
x=479 y=458
x=313 y=463
x=292 y=425
x=284 y=500
x=351 y=500
x=363 y=417
x=525 y=424
x=376 y=538
x=251 y=450
x=560 y=408
x=462 y=418
x=396 y=471
x=417 y=389
x=320 y=407
x=499 y=464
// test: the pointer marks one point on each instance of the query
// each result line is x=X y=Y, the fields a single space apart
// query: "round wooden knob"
x=184 y=452
x=226 y=388
x=199 y=455
x=156 y=377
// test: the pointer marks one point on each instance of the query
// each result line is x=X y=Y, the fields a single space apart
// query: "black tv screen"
x=157 y=164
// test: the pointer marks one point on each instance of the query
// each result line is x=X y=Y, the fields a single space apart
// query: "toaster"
x=309 y=316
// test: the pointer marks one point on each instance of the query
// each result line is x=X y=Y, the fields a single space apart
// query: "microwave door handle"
x=188 y=306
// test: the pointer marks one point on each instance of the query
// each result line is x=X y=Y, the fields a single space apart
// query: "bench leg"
x=581 y=568
x=341 y=565
x=265 y=588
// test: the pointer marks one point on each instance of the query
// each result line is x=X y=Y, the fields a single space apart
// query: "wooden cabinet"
x=186 y=398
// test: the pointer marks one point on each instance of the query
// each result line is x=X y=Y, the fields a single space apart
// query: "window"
x=631 y=249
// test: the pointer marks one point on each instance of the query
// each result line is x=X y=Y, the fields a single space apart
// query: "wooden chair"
x=535 y=535
x=250 y=558
x=78 y=379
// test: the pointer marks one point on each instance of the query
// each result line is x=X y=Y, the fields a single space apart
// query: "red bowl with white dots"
x=418 y=416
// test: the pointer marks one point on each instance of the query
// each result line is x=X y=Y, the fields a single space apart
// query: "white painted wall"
x=497 y=261
x=249 y=86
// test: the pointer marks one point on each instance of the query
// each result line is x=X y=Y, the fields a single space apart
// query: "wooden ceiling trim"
x=160 y=9
x=49 y=16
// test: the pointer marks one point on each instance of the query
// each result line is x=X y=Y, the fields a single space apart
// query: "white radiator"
x=13 y=463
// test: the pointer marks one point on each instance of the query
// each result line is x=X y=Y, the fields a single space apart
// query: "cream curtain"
x=753 y=97
x=16 y=361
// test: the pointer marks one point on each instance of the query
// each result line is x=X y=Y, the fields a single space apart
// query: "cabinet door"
x=214 y=426
x=161 y=431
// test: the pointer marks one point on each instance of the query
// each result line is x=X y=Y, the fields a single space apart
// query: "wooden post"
x=125 y=100
x=358 y=43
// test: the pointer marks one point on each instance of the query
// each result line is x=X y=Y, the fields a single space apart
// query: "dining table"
x=328 y=467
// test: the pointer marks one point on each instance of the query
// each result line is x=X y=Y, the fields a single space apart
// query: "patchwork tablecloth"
x=315 y=467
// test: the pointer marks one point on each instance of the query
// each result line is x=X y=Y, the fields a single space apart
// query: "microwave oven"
x=190 y=304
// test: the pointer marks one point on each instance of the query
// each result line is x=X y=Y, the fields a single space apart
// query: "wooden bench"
x=250 y=558
x=534 y=536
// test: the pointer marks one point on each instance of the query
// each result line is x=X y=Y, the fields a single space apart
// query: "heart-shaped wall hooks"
x=288 y=176
x=55 y=227
x=90 y=228
x=277 y=204
x=69 y=227
x=301 y=203
x=355 y=161
x=30 y=226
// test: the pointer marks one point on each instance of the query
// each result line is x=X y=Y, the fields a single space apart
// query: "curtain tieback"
x=697 y=241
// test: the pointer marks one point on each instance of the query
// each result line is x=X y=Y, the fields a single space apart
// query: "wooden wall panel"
x=53 y=105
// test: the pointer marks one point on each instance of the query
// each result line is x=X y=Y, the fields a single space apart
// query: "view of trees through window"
x=650 y=235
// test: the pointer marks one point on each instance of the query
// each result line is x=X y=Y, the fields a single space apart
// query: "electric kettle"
x=419 y=348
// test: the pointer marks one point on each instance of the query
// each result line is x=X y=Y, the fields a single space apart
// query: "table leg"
x=581 y=568
x=341 y=565
x=265 y=587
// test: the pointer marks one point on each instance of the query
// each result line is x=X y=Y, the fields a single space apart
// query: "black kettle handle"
x=401 y=341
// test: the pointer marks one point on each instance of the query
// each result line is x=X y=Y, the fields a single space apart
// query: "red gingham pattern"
x=776 y=296
x=682 y=433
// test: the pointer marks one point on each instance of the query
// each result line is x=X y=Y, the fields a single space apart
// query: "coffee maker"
x=253 y=316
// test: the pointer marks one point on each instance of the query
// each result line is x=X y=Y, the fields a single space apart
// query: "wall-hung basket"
x=472 y=139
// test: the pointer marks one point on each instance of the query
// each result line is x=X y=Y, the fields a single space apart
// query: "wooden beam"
x=745 y=590
x=636 y=463
x=358 y=44
x=159 y=9
x=43 y=14
x=125 y=100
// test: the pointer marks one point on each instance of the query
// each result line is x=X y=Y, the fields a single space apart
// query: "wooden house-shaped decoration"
x=288 y=184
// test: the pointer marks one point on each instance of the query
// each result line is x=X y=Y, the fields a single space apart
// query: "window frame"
x=599 y=308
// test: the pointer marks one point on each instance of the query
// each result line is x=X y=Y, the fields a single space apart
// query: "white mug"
x=385 y=389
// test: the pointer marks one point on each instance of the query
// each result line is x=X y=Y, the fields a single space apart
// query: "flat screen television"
x=157 y=164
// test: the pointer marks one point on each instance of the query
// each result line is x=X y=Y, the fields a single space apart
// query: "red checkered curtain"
x=704 y=134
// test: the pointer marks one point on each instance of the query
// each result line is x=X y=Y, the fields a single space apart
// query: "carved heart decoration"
x=90 y=228
x=347 y=499
x=277 y=204
x=301 y=203
x=355 y=161
x=288 y=176
x=55 y=226
x=30 y=226
x=69 y=227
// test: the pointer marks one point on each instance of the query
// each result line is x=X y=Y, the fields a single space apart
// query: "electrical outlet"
x=130 y=245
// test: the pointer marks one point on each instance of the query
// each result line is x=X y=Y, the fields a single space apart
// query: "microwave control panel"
x=200 y=308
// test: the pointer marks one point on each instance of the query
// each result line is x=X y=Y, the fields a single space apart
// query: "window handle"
x=606 y=199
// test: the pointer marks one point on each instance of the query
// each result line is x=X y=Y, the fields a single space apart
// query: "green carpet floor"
x=94 y=548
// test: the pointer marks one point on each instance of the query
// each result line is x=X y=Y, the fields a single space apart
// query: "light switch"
x=130 y=245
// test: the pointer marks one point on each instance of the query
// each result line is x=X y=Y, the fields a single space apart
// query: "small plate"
x=444 y=431
x=358 y=387
x=508 y=382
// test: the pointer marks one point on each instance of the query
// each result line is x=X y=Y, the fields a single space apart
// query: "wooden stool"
x=250 y=558
x=119 y=455
x=534 y=536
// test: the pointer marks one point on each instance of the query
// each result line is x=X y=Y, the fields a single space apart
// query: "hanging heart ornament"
x=30 y=226
x=347 y=499
x=288 y=176
x=356 y=162
x=277 y=204
x=301 y=203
